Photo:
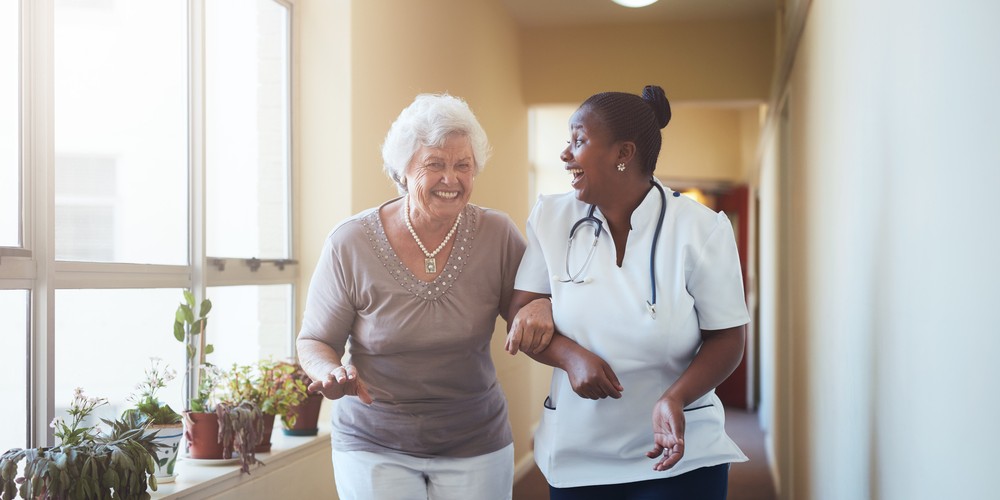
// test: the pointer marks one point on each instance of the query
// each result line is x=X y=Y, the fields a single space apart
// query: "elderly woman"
x=410 y=291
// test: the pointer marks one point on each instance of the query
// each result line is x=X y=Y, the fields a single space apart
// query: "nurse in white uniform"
x=644 y=291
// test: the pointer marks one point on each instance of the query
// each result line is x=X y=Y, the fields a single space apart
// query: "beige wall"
x=879 y=278
x=703 y=144
x=695 y=61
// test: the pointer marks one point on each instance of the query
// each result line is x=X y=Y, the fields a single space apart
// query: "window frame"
x=33 y=267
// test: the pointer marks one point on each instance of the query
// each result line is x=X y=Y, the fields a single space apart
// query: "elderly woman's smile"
x=439 y=180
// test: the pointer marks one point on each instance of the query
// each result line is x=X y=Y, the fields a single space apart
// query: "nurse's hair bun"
x=656 y=99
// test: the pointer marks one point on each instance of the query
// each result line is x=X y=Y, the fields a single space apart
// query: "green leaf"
x=110 y=479
x=179 y=316
x=196 y=328
x=206 y=306
x=188 y=314
x=179 y=331
x=209 y=348
x=189 y=298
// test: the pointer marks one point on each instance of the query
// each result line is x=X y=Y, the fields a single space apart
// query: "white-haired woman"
x=411 y=290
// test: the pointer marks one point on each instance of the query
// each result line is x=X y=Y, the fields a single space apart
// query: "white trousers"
x=363 y=475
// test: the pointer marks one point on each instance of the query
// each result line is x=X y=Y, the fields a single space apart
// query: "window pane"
x=247 y=128
x=121 y=131
x=13 y=359
x=248 y=323
x=104 y=342
x=10 y=185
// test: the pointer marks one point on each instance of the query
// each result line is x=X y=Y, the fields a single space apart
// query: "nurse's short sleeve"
x=716 y=283
x=533 y=274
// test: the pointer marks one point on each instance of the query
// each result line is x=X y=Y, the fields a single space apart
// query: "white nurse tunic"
x=582 y=442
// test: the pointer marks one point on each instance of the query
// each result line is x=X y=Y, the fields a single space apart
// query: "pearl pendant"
x=430 y=265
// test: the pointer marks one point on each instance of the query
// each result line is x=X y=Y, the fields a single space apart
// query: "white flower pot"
x=166 y=458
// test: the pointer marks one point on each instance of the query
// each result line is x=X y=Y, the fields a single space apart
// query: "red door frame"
x=735 y=391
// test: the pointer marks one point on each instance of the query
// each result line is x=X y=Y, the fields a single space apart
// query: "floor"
x=747 y=481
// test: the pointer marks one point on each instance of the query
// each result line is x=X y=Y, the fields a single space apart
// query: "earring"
x=621 y=167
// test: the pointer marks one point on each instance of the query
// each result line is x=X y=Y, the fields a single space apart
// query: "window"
x=250 y=323
x=10 y=73
x=14 y=338
x=247 y=129
x=121 y=126
x=171 y=146
x=123 y=327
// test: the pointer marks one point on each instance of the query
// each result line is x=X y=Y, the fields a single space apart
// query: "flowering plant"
x=146 y=402
x=207 y=396
x=269 y=385
x=87 y=463
x=76 y=433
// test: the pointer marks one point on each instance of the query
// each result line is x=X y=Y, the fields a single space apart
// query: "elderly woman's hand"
x=532 y=328
x=342 y=381
x=668 y=433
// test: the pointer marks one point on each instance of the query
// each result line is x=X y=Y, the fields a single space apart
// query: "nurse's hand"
x=342 y=381
x=532 y=328
x=668 y=433
x=592 y=377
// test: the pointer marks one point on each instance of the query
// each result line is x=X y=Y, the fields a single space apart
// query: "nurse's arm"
x=590 y=376
x=720 y=353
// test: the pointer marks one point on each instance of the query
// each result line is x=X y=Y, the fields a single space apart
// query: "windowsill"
x=200 y=481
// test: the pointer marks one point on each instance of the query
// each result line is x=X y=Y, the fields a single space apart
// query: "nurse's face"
x=591 y=157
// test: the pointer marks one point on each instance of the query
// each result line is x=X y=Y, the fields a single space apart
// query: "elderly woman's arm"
x=590 y=376
x=331 y=378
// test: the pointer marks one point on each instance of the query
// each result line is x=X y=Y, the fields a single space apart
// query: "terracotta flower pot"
x=306 y=417
x=265 y=444
x=202 y=433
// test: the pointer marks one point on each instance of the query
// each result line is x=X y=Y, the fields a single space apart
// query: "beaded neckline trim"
x=427 y=290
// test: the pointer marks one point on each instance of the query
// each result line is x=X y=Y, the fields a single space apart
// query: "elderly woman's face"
x=439 y=180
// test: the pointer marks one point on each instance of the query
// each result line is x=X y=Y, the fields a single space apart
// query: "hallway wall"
x=877 y=198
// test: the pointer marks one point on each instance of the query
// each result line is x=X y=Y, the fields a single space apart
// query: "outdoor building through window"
x=158 y=160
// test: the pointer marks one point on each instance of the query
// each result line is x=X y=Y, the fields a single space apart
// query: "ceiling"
x=573 y=12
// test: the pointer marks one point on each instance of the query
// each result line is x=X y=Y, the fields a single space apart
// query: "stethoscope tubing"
x=598 y=226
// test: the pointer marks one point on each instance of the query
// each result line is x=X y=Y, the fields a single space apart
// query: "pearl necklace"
x=430 y=263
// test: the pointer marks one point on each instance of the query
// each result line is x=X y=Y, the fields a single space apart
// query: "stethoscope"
x=598 y=226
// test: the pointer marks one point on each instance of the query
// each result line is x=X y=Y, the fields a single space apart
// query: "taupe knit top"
x=422 y=348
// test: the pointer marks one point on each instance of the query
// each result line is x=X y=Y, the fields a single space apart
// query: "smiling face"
x=439 y=180
x=591 y=157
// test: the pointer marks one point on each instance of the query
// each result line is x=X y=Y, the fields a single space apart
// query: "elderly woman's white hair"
x=428 y=121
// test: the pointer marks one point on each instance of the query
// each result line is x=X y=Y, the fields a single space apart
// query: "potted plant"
x=163 y=422
x=222 y=427
x=201 y=424
x=187 y=329
x=302 y=419
x=271 y=387
x=213 y=426
x=85 y=464
x=241 y=427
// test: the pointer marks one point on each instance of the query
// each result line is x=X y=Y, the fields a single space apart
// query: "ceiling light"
x=634 y=3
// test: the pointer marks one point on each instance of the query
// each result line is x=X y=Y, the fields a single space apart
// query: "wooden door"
x=737 y=390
